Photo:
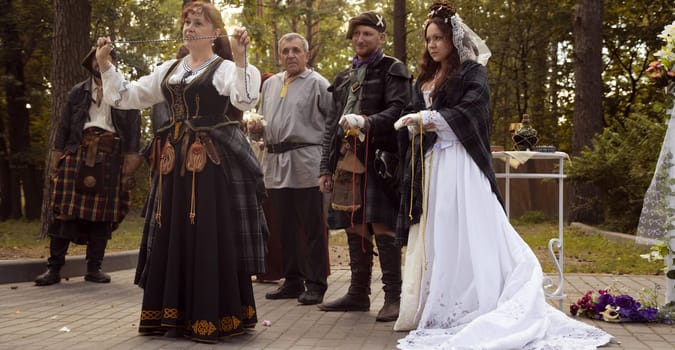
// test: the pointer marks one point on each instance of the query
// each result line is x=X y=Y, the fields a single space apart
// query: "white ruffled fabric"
x=470 y=281
x=229 y=80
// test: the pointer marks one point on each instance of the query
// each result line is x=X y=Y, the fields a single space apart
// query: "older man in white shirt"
x=295 y=104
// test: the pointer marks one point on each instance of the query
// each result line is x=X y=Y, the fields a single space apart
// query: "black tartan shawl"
x=242 y=170
x=465 y=105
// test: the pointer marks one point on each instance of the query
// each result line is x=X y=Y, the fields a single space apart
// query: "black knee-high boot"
x=95 y=253
x=58 y=247
x=361 y=264
x=390 y=262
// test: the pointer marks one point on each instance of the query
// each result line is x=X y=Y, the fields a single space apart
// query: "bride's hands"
x=414 y=120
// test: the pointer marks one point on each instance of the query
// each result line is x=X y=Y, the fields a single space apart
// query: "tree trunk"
x=71 y=41
x=400 y=31
x=588 y=119
x=22 y=171
x=4 y=177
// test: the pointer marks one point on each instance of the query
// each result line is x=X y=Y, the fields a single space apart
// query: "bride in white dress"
x=470 y=281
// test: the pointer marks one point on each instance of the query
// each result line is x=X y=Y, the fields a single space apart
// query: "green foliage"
x=138 y=20
x=620 y=164
x=630 y=39
x=532 y=217
x=33 y=21
x=320 y=23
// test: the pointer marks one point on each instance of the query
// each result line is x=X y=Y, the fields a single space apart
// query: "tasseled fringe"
x=195 y=162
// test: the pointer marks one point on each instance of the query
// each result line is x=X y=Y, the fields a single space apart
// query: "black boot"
x=49 y=277
x=390 y=262
x=361 y=263
x=58 y=247
x=291 y=289
x=95 y=253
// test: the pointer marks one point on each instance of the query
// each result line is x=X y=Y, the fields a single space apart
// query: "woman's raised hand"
x=103 y=49
x=238 y=42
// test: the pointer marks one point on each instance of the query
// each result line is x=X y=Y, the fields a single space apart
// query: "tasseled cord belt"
x=163 y=157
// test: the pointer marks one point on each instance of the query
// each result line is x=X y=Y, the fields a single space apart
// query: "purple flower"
x=627 y=308
x=647 y=314
x=603 y=301
x=626 y=301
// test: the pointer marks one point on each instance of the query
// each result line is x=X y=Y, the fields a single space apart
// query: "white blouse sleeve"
x=143 y=93
x=229 y=81
x=442 y=128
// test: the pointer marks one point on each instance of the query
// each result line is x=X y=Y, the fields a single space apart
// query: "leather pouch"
x=91 y=178
x=346 y=195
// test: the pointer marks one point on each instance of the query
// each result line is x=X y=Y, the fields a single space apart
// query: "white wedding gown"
x=470 y=281
x=658 y=207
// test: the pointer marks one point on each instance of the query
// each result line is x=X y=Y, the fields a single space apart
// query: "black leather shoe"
x=48 y=278
x=388 y=312
x=97 y=276
x=285 y=292
x=349 y=302
x=311 y=297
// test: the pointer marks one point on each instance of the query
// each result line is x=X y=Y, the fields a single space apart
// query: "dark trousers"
x=96 y=244
x=304 y=237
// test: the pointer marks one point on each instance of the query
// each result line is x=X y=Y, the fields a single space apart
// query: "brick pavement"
x=81 y=315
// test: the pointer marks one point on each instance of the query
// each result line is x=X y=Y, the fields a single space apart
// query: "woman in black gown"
x=206 y=232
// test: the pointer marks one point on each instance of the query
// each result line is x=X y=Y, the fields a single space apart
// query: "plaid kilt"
x=110 y=205
x=381 y=204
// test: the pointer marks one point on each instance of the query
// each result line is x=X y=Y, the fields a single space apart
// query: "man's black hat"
x=86 y=61
x=370 y=19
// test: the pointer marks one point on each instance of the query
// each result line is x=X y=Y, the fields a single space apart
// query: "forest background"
x=577 y=67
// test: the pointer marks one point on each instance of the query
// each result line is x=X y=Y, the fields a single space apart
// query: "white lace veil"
x=463 y=38
x=657 y=220
x=468 y=44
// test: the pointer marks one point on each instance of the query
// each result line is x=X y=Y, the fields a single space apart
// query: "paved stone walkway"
x=82 y=315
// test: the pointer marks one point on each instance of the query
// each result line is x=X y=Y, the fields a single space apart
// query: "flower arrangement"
x=663 y=70
x=525 y=136
x=254 y=123
x=252 y=116
x=622 y=308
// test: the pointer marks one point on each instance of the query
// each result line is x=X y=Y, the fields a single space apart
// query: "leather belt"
x=287 y=146
x=97 y=140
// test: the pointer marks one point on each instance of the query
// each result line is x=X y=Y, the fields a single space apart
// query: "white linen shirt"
x=300 y=116
x=99 y=116
x=146 y=91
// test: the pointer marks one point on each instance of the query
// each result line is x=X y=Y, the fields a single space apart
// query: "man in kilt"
x=368 y=99
x=93 y=159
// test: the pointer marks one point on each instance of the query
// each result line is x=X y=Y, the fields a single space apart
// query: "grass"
x=583 y=252
x=19 y=239
x=587 y=253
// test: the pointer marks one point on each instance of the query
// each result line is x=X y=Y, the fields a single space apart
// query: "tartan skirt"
x=109 y=205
